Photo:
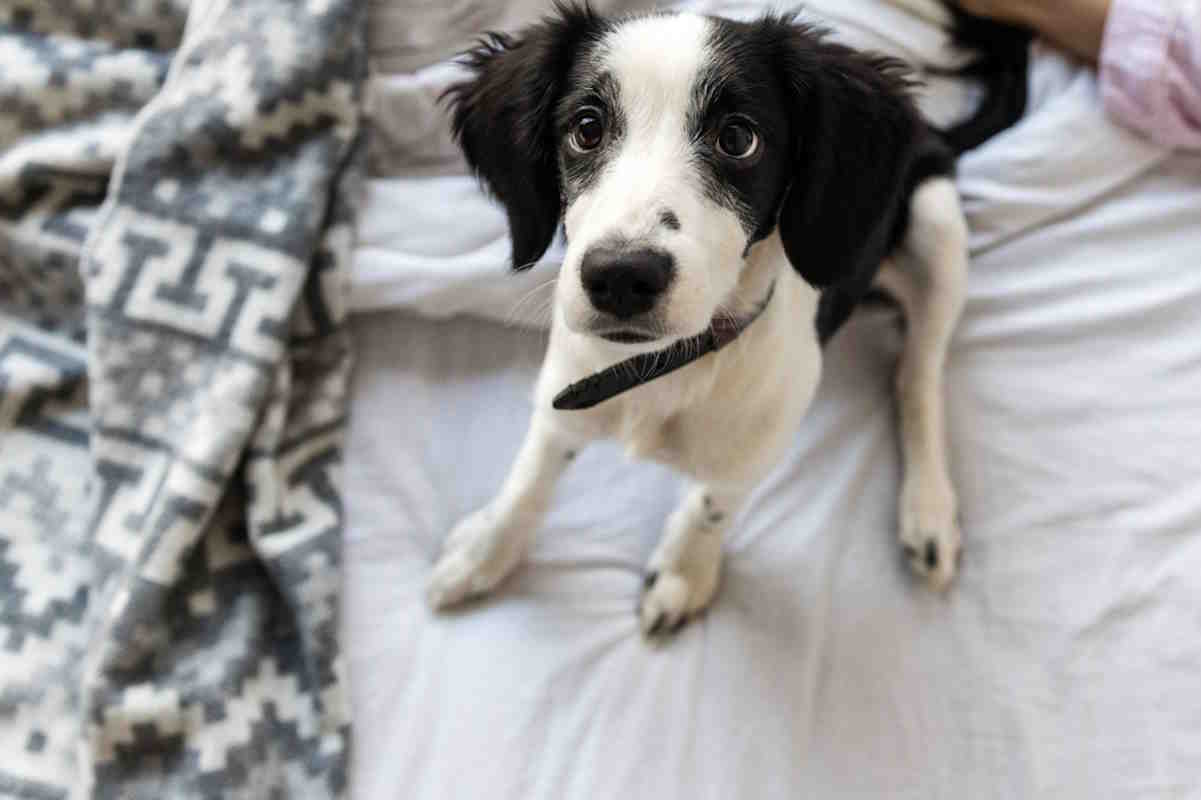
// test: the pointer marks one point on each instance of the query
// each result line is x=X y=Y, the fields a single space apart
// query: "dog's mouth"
x=627 y=336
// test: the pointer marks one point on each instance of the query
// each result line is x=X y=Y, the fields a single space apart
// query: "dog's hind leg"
x=928 y=277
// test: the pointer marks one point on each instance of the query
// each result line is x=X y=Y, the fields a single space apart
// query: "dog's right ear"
x=503 y=121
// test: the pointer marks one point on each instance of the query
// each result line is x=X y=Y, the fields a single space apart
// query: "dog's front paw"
x=930 y=539
x=477 y=556
x=676 y=590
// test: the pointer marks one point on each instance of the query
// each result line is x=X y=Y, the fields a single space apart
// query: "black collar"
x=640 y=369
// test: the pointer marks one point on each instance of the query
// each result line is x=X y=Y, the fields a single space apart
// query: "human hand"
x=1012 y=11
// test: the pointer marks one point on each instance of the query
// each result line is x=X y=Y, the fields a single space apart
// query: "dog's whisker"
x=514 y=315
x=546 y=311
x=540 y=317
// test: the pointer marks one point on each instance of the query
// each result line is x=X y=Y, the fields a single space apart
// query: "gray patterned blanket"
x=176 y=190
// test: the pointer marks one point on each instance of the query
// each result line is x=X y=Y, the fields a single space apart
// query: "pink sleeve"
x=1151 y=69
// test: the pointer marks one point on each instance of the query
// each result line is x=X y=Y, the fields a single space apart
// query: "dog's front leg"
x=683 y=571
x=486 y=546
x=928 y=276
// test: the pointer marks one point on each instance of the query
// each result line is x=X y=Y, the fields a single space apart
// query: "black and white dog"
x=729 y=191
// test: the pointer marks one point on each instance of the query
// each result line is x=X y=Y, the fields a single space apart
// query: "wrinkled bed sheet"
x=1063 y=664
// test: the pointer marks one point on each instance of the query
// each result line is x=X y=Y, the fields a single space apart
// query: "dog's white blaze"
x=655 y=62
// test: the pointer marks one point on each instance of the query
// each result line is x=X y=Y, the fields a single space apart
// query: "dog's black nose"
x=625 y=283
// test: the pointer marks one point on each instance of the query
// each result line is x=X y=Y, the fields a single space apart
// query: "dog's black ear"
x=503 y=121
x=859 y=144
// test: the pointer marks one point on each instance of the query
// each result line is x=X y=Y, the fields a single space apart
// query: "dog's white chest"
x=648 y=438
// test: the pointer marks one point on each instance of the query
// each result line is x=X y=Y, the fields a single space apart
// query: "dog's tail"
x=1001 y=63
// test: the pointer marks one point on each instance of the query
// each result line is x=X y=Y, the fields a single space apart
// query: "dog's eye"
x=738 y=140
x=587 y=131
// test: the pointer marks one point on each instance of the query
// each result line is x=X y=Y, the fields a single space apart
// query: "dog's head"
x=668 y=145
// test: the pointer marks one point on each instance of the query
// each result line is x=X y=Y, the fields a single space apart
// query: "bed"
x=210 y=585
x=1063 y=663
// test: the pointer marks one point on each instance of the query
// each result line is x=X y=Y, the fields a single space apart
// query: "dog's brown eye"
x=587 y=131
x=737 y=140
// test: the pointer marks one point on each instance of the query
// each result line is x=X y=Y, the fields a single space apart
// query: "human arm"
x=1148 y=53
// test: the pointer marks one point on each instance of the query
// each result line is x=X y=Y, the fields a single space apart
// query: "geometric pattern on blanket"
x=173 y=374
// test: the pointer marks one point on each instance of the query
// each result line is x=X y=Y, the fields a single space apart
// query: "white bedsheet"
x=1066 y=662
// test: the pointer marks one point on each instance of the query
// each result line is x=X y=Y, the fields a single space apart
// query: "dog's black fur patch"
x=1001 y=62
x=853 y=151
x=740 y=83
x=599 y=91
x=503 y=119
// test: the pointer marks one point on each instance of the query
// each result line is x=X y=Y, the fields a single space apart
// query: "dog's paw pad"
x=933 y=557
x=930 y=534
x=455 y=580
x=476 y=558
x=668 y=603
x=664 y=605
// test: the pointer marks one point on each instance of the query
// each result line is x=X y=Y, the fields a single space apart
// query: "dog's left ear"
x=858 y=144
x=502 y=118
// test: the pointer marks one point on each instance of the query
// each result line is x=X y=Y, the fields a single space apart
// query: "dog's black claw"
x=931 y=554
x=656 y=626
x=649 y=581
x=680 y=623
